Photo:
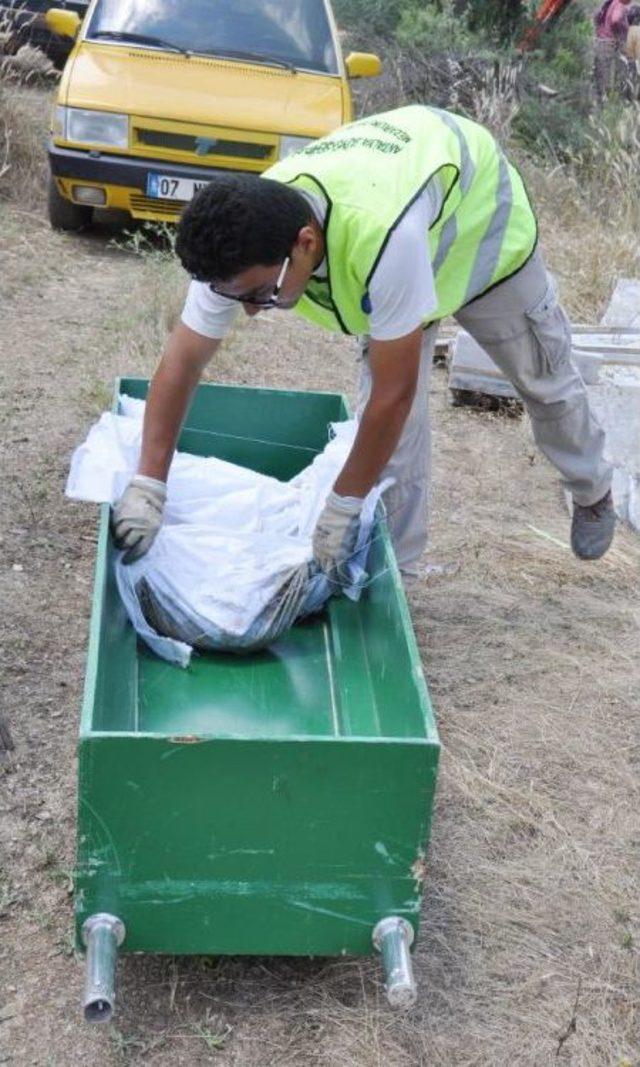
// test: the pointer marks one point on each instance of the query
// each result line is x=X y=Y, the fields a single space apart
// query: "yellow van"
x=158 y=95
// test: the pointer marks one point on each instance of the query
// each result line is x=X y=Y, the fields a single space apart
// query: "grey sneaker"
x=592 y=528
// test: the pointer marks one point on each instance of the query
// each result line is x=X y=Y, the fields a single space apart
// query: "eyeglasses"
x=247 y=298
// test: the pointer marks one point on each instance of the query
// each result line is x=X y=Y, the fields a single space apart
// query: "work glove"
x=137 y=516
x=335 y=535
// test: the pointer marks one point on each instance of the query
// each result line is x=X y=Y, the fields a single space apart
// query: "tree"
x=500 y=20
x=372 y=16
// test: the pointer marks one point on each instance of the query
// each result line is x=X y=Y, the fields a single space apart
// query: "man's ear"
x=307 y=240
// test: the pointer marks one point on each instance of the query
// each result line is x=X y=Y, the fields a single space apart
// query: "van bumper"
x=123 y=179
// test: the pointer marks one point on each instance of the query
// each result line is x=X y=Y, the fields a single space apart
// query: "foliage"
x=447 y=24
x=459 y=54
x=564 y=54
x=551 y=128
x=435 y=28
x=370 y=16
x=22 y=160
x=557 y=127
x=608 y=162
x=499 y=20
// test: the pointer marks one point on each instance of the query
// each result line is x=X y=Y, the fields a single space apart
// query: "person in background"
x=632 y=51
x=611 y=28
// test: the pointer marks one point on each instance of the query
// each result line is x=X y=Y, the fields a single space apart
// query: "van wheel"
x=63 y=214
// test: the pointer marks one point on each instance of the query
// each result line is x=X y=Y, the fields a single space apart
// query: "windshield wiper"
x=254 y=57
x=139 y=38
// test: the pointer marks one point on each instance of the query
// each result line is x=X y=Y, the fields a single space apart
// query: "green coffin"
x=276 y=803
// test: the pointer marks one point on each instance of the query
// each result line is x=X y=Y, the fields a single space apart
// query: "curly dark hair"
x=633 y=15
x=239 y=221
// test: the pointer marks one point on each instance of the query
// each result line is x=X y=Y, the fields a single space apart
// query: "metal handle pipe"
x=393 y=937
x=102 y=935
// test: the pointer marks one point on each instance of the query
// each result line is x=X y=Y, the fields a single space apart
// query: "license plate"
x=164 y=187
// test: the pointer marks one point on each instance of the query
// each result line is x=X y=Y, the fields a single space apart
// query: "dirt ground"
x=528 y=953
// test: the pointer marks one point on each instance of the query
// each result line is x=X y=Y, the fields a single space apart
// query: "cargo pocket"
x=552 y=329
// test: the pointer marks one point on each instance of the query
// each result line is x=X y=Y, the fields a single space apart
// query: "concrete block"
x=624 y=306
x=473 y=371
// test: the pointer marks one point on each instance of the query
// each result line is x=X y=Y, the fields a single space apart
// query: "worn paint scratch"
x=328 y=911
x=241 y=852
x=382 y=850
x=250 y=852
x=174 y=890
x=107 y=832
x=419 y=870
x=93 y=863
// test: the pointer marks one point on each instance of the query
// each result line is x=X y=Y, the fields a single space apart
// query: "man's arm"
x=137 y=516
x=395 y=366
x=403 y=296
x=179 y=371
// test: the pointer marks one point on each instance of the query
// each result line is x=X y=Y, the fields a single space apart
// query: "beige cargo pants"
x=526 y=332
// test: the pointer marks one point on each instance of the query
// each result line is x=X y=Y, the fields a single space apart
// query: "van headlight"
x=93 y=127
x=289 y=145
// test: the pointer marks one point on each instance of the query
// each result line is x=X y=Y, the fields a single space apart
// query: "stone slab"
x=624 y=306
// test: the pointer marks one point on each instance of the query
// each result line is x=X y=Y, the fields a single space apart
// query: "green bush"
x=452 y=53
x=567 y=65
x=369 y=16
x=558 y=127
x=566 y=49
x=552 y=128
x=435 y=28
x=500 y=21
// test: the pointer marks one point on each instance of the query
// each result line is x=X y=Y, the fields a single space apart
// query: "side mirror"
x=64 y=23
x=362 y=65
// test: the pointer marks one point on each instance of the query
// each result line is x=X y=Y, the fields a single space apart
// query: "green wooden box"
x=276 y=803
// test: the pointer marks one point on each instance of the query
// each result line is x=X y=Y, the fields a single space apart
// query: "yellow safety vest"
x=371 y=171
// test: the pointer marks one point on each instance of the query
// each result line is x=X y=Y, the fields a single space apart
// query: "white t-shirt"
x=401 y=291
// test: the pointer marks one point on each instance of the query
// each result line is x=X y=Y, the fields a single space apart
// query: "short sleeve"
x=208 y=313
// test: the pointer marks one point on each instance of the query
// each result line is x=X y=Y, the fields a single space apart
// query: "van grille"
x=203 y=146
x=150 y=206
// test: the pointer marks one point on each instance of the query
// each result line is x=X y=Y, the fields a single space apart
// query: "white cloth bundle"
x=231 y=567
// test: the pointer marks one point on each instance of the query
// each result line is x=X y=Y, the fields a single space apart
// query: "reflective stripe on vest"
x=467 y=174
x=488 y=253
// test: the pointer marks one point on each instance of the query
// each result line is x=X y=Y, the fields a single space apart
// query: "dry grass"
x=24 y=120
x=28 y=66
x=528 y=953
x=590 y=213
x=533 y=667
x=496 y=105
x=589 y=246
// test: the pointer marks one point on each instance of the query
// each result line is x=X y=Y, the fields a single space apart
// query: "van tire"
x=63 y=214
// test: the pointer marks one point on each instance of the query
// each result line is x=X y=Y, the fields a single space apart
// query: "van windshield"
x=286 y=32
